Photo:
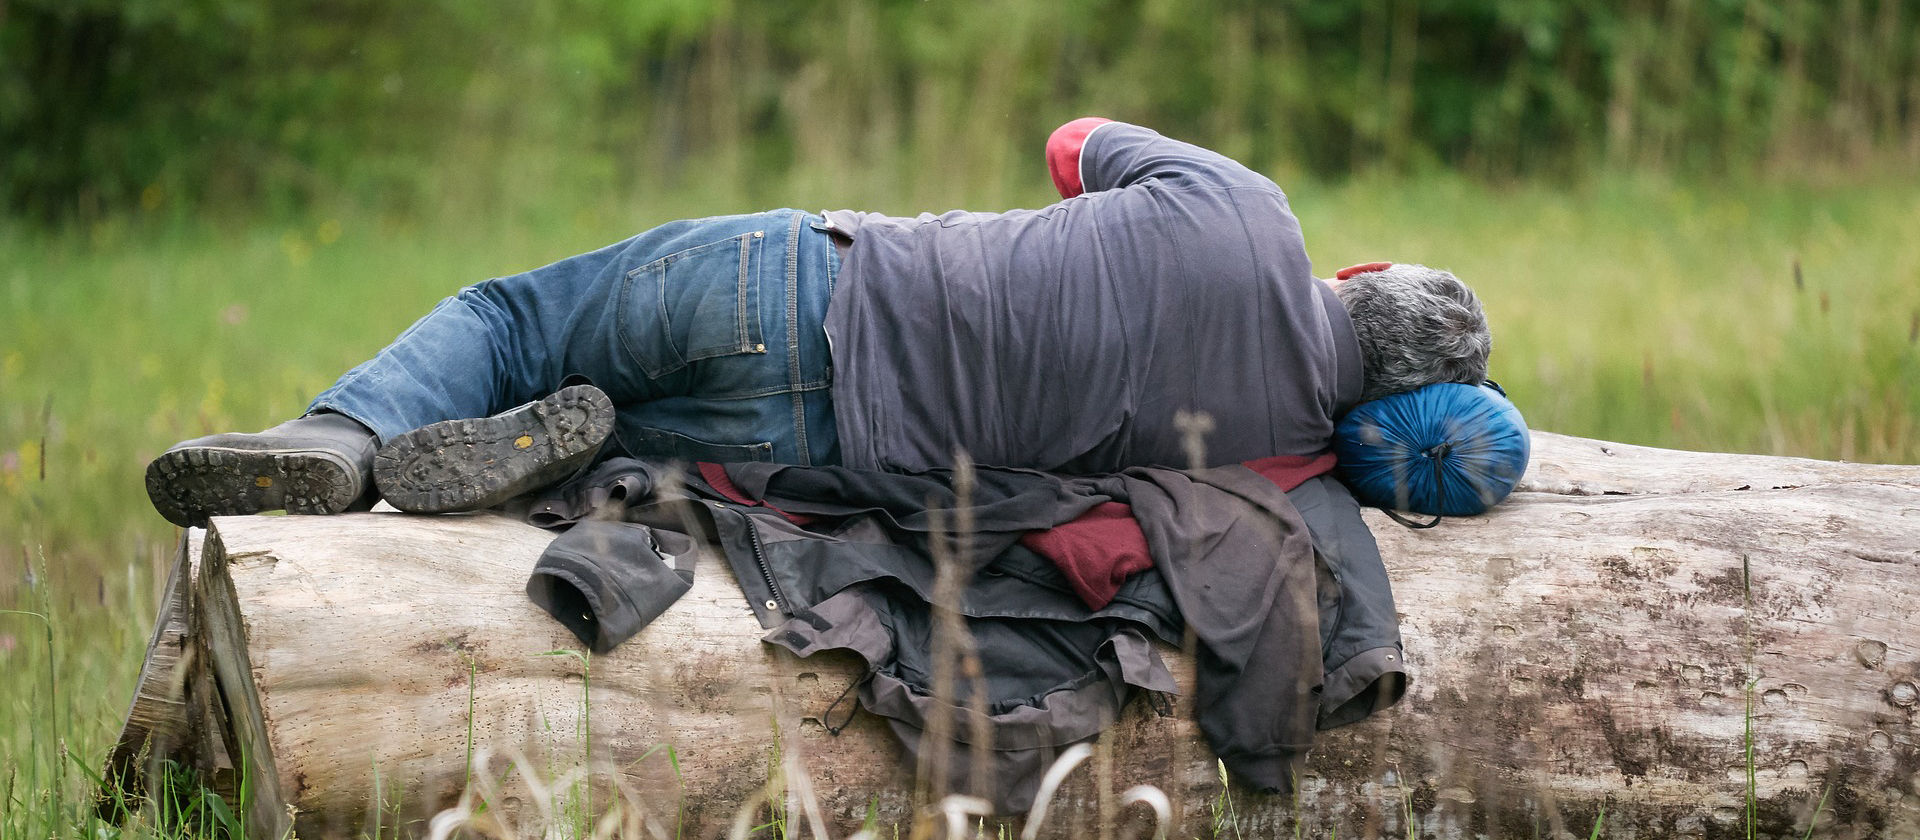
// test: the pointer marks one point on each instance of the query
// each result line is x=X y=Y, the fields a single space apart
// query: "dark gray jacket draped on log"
x=1284 y=592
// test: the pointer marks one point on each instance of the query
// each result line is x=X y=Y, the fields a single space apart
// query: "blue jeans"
x=707 y=334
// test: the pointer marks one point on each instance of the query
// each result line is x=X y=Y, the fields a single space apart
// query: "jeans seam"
x=763 y=393
x=741 y=305
x=622 y=297
x=793 y=340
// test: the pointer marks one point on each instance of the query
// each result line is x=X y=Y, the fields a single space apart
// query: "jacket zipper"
x=779 y=601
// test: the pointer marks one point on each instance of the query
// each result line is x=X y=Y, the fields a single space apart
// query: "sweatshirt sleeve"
x=1091 y=154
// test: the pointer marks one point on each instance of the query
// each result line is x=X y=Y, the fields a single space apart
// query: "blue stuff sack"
x=1442 y=450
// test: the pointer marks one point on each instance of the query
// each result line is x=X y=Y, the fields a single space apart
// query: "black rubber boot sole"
x=458 y=465
x=188 y=485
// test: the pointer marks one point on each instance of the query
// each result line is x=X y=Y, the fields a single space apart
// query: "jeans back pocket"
x=694 y=304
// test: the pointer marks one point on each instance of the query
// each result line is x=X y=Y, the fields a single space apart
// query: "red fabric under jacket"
x=1101 y=549
x=1104 y=546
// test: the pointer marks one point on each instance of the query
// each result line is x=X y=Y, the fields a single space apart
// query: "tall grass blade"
x=1814 y=820
x=1050 y=784
x=1155 y=799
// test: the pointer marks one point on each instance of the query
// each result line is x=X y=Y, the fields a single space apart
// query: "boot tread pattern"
x=470 y=464
x=188 y=485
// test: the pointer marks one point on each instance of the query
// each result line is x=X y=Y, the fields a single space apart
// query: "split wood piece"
x=1570 y=652
x=169 y=718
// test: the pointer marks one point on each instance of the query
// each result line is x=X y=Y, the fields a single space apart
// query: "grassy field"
x=1775 y=318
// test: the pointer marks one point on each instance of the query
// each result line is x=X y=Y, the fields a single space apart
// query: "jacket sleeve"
x=1092 y=154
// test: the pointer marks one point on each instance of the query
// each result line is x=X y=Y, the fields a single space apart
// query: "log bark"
x=1661 y=643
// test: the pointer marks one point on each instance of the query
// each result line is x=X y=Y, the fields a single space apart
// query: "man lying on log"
x=1170 y=281
x=1169 y=293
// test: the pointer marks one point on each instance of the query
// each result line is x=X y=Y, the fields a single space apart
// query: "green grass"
x=1776 y=318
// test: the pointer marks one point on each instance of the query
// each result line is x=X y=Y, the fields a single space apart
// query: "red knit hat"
x=1362 y=268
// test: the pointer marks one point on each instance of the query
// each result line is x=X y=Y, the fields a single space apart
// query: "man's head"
x=1416 y=325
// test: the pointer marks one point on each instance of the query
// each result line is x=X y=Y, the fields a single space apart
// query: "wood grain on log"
x=1615 y=636
x=1573 y=466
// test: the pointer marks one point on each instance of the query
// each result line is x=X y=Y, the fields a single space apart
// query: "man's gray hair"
x=1417 y=326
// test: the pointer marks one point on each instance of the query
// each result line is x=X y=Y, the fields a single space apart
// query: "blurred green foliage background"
x=107 y=105
x=1692 y=221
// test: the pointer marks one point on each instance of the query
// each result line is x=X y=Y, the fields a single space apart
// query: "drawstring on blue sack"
x=1436 y=454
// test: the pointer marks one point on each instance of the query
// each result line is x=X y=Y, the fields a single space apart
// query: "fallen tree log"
x=1687 y=643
